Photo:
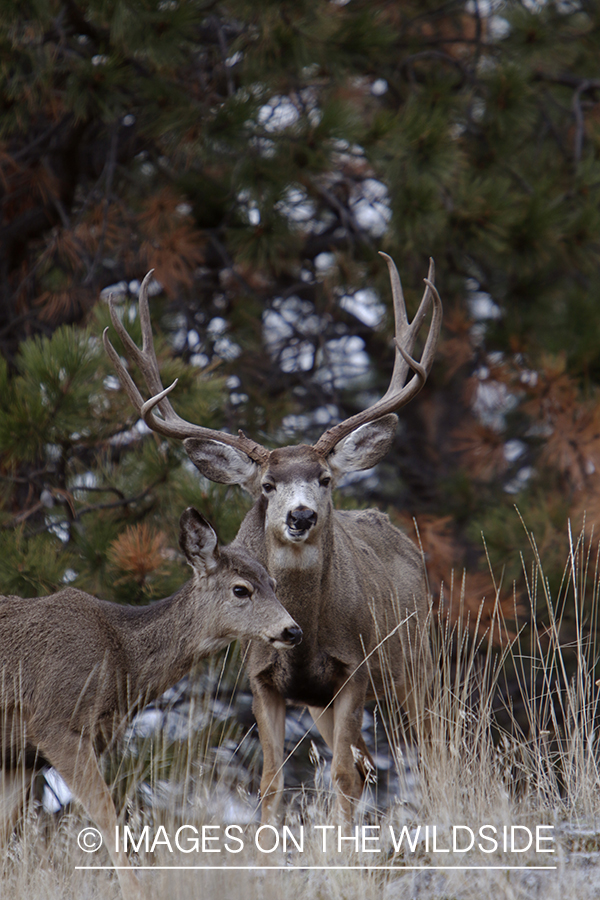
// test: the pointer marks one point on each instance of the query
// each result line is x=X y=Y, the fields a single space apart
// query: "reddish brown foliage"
x=138 y=553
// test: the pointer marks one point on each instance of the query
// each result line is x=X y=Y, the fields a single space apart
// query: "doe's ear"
x=198 y=540
x=224 y=464
x=364 y=447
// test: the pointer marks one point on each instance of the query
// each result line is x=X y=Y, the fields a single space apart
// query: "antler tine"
x=147 y=407
x=169 y=423
x=143 y=408
x=398 y=394
x=124 y=377
x=405 y=332
x=146 y=357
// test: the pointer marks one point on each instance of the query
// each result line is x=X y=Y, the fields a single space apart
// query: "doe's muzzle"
x=292 y=636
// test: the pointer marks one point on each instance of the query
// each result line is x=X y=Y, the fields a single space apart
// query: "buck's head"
x=235 y=593
x=294 y=483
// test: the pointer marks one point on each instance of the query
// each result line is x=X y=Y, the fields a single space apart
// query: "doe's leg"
x=73 y=756
x=14 y=790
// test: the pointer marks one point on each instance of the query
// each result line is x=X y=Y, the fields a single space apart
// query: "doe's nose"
x=302 y=518
x=292 y=636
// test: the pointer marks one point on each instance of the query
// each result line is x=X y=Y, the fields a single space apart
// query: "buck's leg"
x=348 y=744
x=269 y=710
x=74 y=758
x=323 y=719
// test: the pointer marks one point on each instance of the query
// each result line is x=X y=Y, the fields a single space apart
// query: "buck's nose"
x=301 y=518
x=292 y=636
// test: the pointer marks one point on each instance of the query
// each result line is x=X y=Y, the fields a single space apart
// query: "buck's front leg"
x=269 y=710
x=347 y=765
x=323 y=719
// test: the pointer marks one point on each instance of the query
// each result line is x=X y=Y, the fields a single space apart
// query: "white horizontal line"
x=305 y=868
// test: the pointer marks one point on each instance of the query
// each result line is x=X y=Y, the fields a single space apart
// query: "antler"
x=398 y=393
x=168 y=422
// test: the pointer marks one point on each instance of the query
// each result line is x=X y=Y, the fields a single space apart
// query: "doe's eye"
x=268 y=487
x=325 y=481
x=240 y=590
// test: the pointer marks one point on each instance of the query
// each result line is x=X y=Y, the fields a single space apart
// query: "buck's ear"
x=224 y=464
x=198 y=540
x=364 y=447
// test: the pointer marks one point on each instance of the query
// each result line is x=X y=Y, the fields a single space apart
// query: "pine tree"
x=257 y=156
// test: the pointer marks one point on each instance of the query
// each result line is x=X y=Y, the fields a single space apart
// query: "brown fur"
x=74 y=668
x=349 y=584
x=349 y=578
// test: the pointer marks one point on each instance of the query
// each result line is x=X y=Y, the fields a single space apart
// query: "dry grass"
x=514 y=743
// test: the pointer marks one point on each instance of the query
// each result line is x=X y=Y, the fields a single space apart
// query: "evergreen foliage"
x=88 y=498
x=257 y=155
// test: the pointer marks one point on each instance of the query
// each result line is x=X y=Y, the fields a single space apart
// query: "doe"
x=74 y=668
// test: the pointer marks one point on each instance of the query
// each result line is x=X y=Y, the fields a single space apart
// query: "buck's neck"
x=164 y=639
x=302 y=571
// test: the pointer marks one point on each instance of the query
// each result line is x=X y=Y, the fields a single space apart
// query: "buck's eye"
x=241 y=591
x=268 y=487
x=325 y=481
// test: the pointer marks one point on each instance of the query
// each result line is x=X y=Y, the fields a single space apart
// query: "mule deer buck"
x=348 y=578
x=74 y=668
